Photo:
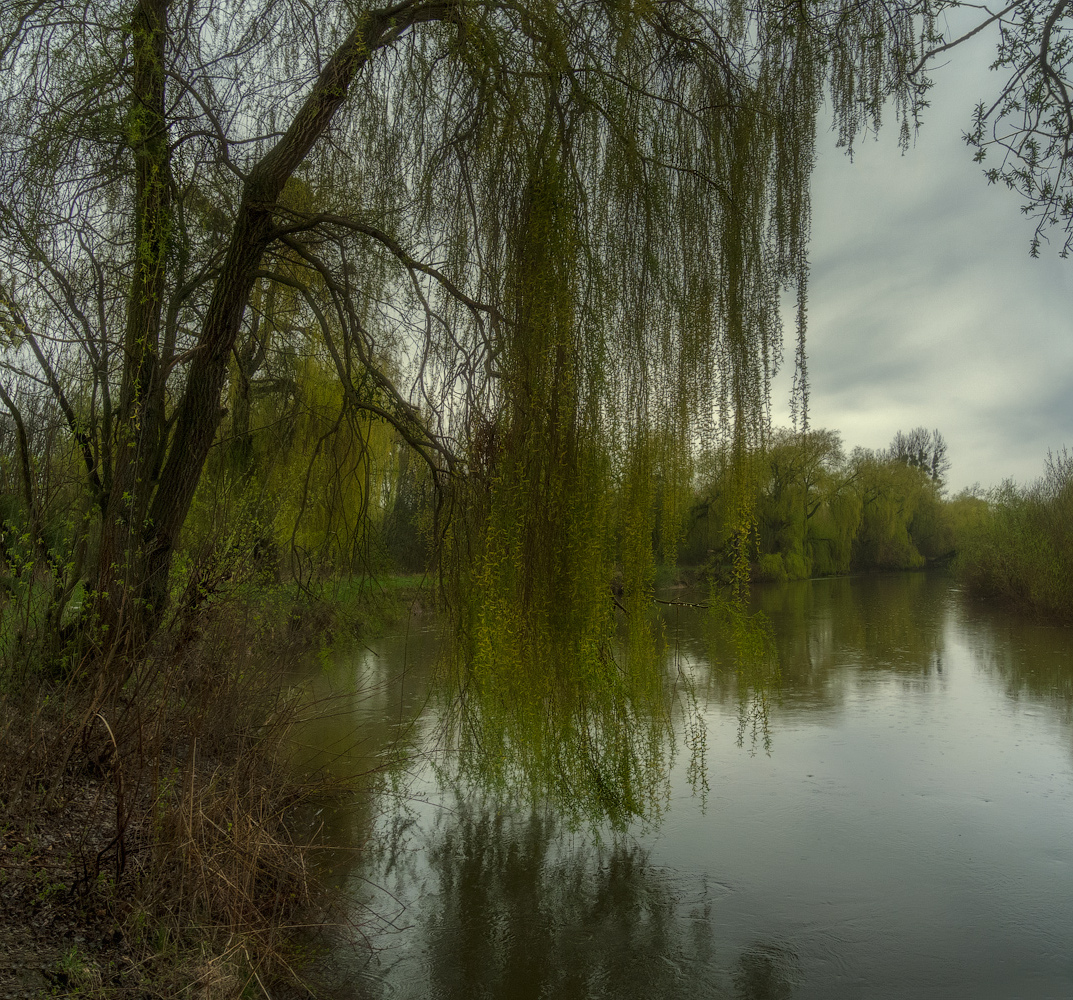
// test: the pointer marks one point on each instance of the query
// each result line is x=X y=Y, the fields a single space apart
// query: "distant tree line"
x=818 y=511
x=302 y=486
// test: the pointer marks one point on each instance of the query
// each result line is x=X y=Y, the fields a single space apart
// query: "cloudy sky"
x=925 y=307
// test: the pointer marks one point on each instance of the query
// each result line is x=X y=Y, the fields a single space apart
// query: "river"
x=893 y=818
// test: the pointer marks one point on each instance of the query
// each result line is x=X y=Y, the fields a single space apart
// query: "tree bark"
x=145 y=516
x=121 y=572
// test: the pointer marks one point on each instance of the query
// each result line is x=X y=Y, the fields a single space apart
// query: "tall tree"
x=570 y=222
x=922 y=449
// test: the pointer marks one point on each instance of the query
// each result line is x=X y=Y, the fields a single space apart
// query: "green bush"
x=771 y=569
x=1017 y=544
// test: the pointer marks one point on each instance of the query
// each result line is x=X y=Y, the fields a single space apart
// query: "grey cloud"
x=925 y=307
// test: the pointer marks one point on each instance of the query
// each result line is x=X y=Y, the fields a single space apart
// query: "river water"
x=893 y=819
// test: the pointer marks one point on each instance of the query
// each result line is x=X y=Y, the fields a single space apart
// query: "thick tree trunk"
x=145 y=514
x=121 y=599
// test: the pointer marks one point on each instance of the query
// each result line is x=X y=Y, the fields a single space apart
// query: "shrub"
x=1017 y=545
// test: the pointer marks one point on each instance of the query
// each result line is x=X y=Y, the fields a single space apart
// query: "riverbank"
x=1017 y=548
x=162 y=839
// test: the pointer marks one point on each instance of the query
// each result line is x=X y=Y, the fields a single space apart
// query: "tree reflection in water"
x=502 y=896
x=517 y=908
x=765 y=972
x=524 y=881
x=591 y=732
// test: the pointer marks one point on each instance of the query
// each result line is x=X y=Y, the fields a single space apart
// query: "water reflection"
x=766 y=972
x=877 y=622
x=586 y=732
x=832 y=635
x=1033 y=661
x=827 y=638
x=593 y=732
x=1032 y=657
x=513 y=907
x=364 y=718
x=915 y=799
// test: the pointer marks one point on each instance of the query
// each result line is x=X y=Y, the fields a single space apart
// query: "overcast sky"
x=925 y=307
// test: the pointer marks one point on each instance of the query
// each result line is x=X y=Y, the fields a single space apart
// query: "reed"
x=164 y=821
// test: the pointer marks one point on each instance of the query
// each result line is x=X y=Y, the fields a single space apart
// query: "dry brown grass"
x=157 y=838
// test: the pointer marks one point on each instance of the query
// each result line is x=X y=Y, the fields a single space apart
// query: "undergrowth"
x=158 y=837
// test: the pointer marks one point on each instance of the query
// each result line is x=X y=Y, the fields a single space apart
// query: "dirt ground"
x=63 y=925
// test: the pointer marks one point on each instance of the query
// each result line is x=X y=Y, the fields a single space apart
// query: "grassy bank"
x=156 y=836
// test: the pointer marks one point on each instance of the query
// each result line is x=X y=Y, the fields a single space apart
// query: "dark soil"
x=64 y=924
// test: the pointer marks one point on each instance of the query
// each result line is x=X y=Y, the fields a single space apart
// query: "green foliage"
x=834 y=528
x=890 y=493
x=801 y=482
x=547 y=708
x=544 y=251
x=745 y=642
x=315 y=484
x=771 y=569
x=1016 y=543
x=544 y=247
x=820 y=513
x=329 y=473
x=550 y=707
x=932 y=528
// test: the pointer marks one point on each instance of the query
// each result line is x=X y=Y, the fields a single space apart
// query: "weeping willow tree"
x=545 y=242
x=640 y=178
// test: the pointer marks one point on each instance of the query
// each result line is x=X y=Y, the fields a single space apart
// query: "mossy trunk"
x=126 y=597
x=155 y=479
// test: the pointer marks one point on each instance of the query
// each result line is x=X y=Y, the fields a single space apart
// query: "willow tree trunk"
x=155 y=478
x=125 y=602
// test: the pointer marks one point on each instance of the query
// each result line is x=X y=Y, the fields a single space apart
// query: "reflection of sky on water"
x=515 y=907
x=905 y=834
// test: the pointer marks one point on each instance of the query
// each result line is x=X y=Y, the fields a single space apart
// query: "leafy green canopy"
x=641 y=186
x=568 y=225
x=640 y=168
